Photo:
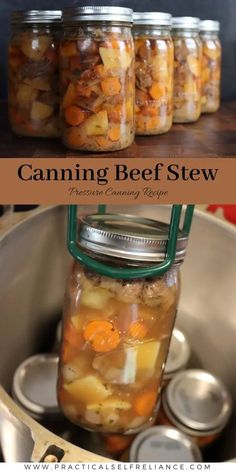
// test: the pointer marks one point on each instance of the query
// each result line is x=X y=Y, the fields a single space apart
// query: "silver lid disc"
x=98 y=13
x=188 y=22
x=36 y=16
x=209 y=25
x=34 y=385
x=179 y=354
x=197 y=400
x=164 y=444
x=128 y=237
x=152 y=18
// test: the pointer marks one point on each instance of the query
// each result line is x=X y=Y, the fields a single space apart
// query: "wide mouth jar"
x=33 y=73
x=117 y=329
x=153 y=72
x=197 y=403
x=97 y=78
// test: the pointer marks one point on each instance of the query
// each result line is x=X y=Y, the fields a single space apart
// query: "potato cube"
x=96 y=298
x=115 y=58
x=194 y=65
x=88 y=390
x=159 y=68
x=40 y=111
x=25 y=95
x=147 y=355
x=97 y=124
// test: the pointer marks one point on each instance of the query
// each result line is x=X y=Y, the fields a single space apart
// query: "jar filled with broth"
x=97 y=78
x=187 y=69
x=33 y=73
x=153 y=72
x=116 y=330
x=211 y=65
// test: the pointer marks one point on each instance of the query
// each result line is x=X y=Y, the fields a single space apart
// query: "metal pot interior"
x=34 y=265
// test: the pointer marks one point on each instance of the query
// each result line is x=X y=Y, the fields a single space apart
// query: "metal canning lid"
x=188 y=22
x=152 y=18
x=198 y=402
x=98 y=13
x=128 y=237
x=36 y=16
x=164 y=444
x=179 y=354
x=209 y=25
x=34 y=385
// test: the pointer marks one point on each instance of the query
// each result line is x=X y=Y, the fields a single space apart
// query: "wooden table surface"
x=212 y=136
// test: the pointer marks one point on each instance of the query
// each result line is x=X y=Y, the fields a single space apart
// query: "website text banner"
x=128 y=181
x=120 y=467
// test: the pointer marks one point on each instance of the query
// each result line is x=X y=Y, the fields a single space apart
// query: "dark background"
x=222 y=10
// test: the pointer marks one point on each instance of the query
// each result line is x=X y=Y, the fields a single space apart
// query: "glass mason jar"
x=211 y=65
x=187 y=69
x=116 y=332
x=97 y=79
x=201 y=416
x=33 y=62
x=153 y=73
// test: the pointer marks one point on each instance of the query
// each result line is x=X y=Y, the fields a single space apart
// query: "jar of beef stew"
x=164 y=444
x=153 y=72
x=116 y=332
x=33 y=63
x=198 y=404
x=187 y=69
x=211 y=65
x=97 y=79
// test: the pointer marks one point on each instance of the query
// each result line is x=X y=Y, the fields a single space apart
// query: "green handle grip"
x=128 y=272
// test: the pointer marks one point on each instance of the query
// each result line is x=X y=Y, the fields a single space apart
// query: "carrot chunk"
x=111 y=86
x=144 y=403
x=74 y=115
x=157 y=91
x=102 y=335
x=137 y=330
x=114 y=133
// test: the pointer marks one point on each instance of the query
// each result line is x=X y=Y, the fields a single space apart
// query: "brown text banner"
x=128 y=181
